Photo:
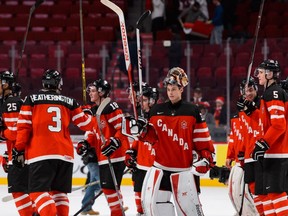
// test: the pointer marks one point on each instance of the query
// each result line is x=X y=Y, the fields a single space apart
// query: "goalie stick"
x=120 y=14
x=139 y=53
x=32 y=9
x=103 y=104
x=255 y=41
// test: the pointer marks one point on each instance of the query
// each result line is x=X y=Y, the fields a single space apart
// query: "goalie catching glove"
x=110 y=146
x=18 y=158
x=136 y=126
x=261 y=146
x=130 y=159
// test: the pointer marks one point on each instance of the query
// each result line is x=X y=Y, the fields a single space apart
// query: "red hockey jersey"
x=42 y=127
x=180 y=129
x=111 y=122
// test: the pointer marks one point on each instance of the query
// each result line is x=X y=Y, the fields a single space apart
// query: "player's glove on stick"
x=82 y=147
x=240 y=104
x=130 y=159
x=18 y=158
x=250 y=106
x=241 y=158
x=111 y=146
x=5 y=162
x=261 y=146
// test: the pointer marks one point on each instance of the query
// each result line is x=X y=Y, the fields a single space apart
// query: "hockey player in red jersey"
x=115 y=146
x=140 y=157
x=245 y=129
x=176 y=129
x=271 y=150
x=17 y=177
x=43 y=141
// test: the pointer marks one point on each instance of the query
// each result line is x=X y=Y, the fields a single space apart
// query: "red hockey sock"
x=113 y=201
x=23 y=203
x=257 y=201
x=280 y=203
x=44 y=203
x=62 y=203
x=138 y=202
x=267 y=205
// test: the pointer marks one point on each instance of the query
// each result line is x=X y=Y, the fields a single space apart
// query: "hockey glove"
x=241 y=158
x=138 y=126
x=250 y=106
x=261 y=146
x=240 y=103
x=82 y=147
x=208 y=156
x=111 y=146
x=18 y=158
x=130 y=159
x=200 y=167
x=5 y=162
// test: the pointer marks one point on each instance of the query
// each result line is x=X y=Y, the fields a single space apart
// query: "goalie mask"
x=52 y=80
x=269 y=65
x=176 y=76
x=102 y=86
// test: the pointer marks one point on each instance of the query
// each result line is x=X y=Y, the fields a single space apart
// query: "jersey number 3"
x=56 y=119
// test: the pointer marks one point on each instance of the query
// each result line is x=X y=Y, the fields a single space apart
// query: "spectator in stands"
x=219 y=112
x=198 y=97
x=191 y=14
x=204 y=110
x=132 y=41
x=217 y=21
x=158 y=17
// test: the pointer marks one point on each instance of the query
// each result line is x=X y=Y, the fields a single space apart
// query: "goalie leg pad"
x=150 y=189
x=166 y=208
x=235 y=186
x=185 y=194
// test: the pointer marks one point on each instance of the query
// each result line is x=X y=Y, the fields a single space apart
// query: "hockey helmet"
x=16 y=89
x=269 y=65
x=176 y=76
x=7 y=77
x=136 y=87
x=251 y=82
x=52 y=79
x=102 y=86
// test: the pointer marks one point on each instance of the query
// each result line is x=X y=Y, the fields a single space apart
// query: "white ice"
x=215 y=202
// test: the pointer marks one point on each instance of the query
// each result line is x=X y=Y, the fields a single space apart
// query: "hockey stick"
x=138 y=25
x=82 y=54
x=91 y=201
x=32 y=9
x=255 y=41
x=103 y=104
x=120 y=14
x=86 y=185
x=10 y=197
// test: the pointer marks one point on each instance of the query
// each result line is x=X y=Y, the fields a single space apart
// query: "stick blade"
x=142 y=18
x=7 y=198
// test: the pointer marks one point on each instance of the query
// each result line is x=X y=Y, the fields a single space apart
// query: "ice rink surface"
x=215 y=202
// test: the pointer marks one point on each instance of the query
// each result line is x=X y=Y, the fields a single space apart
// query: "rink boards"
x=79 y=172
